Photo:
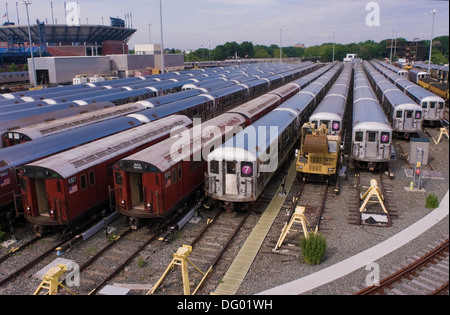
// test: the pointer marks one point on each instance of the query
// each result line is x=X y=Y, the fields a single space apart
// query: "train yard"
x=139 y=261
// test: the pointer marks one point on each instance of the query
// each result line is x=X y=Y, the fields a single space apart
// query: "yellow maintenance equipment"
x=51 y=281
x=444 y=132
x=319 y=153
x=297 y=217
x=372 y=192
x=181 y=258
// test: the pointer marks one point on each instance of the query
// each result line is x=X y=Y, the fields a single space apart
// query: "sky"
x=191 y=24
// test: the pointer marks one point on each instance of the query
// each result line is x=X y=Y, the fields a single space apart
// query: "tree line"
x=366 y=50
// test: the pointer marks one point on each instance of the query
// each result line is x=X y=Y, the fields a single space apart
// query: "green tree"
x=262 y=53
x=13 y=68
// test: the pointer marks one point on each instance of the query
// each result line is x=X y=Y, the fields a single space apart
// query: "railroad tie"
x=238 y=270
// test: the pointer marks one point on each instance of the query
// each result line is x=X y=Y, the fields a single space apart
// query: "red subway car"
x=63 y=189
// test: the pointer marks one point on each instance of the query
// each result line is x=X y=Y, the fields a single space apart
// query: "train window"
x=83 y=182
x=399 y=114
x=433 y=105
x=180 y=172
x=214 y=168
x=372 y=136
x=118 y=177
x=441 y=105
x=409 y=114
x=418 y=115
x=174 y=176
x=58 y=186
x=326 y=123
x=91 y=178
x=316 y=124
x=247 y=169
x=385 y=137
x=336 y=126
x=24 y=184
x=231 y=167
x=425 y=105
x=359 y=136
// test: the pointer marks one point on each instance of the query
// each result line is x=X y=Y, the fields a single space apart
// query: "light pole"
x=281 y=45
x=392 y=42
x=431 y=40
x=27 y=3
x=150 y=32
x=334 y=41
x=162 y=38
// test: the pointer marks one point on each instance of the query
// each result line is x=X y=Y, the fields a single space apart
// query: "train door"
x=137 y=193
x=371 y=144
x=432 y=110
x=408 y=120
x=230 y=180
x=41 y=197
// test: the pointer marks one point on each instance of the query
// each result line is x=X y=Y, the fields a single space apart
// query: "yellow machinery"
x=51 y=281
x=297 y=217
x=443 y=132
x=319 y=154
x=181 y=258
x=372 y=195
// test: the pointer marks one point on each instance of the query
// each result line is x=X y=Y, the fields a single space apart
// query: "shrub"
x=313 y=248
x=432 y=201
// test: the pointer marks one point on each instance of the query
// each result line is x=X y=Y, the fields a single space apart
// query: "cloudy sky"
x=189 y=24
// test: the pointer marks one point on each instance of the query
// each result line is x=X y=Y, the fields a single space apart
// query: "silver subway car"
x=372 y=133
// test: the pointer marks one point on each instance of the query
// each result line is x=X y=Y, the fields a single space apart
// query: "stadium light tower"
x=162 y=38
x=431 y=40
x=27 y=3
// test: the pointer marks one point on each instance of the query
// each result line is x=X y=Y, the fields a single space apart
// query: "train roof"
x=174 y=107
x=406 y=85
x=253 y=107
x=51 y=116
x=48 y=128
x=24 y=153
x=13 y=116
x=169 y=98
x=164 y=155
x=367 y=114
x=334 y=103
x=70 y=163
x=112 y=97
x=254 y=141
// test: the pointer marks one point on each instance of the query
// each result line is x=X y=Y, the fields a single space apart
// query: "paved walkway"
x=360 y=260
x=243 y=261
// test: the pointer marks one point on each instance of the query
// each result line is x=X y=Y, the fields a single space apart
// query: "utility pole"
x=27 y=3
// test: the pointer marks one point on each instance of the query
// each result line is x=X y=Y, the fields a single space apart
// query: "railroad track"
x=361 y=184
x=319 y=214
x=209 y=246
x=428 y=275
x=27 y=257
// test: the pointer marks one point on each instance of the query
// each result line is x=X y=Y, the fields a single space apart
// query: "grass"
x=313 y=248
x=432 y=201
